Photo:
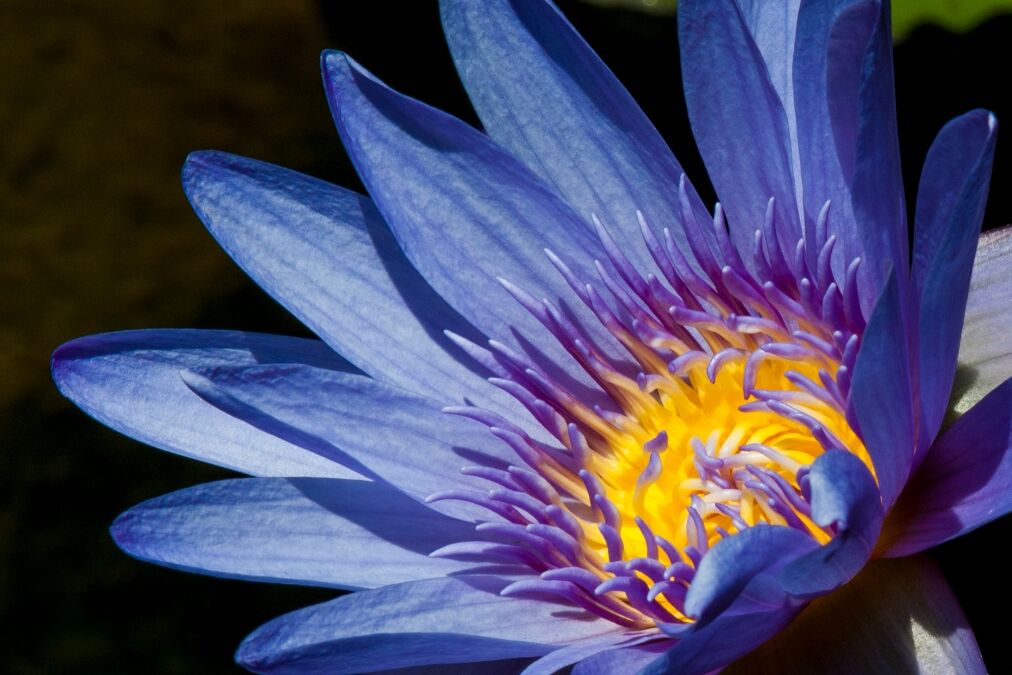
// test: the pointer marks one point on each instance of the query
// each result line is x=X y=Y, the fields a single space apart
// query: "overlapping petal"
x=964 y=482
x=738 y=120
x=753 y=559
x=546 y=97
x=465 y=212
x=882 y=393
x=383 y=432
x=862 y=107
x=437 y=621
x=130 y=382
x=897 y=616
x=326 y=254
x=845 y=498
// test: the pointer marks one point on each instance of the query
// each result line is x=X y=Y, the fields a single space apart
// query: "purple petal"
x=752 y=558
x=451 y=620
x=862 y=107
x=964 y=482
x=950 y=208
x=627 y=659
x=774 y=28
x=543 y=94
x=326 y=254
x=824 y=179
x=737 y=119
x=897 y=616
x=380 y=431
x=844 y=496
x=465 y=212
x=881 y=393
x=985 y=350
x=508 y=667
x=566 y=656
x=129 y=381
x=729 y=637
x=313 y=531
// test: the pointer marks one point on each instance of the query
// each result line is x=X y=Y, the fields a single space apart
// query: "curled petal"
x=845 y=497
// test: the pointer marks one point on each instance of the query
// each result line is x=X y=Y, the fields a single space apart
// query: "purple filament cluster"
x=705 y=308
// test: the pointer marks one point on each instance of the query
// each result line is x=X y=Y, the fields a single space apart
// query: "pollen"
x=734 y=380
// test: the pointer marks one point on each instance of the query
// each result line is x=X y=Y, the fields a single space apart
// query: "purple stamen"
x=826 y=262
x=487 y=551
x=733 y=514
x=520 y=500
x=565 y=521
x=832 y=306
x=851 y=299
x=648 y=537
x=613 y=541
x=577 y=286
x=668 y=549
x=719 y=359
x=647 y=566
x=504 y=511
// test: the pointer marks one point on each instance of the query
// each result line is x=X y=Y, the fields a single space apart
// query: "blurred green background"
x=99 y=104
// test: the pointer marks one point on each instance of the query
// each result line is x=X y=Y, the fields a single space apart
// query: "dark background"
x=99 y=104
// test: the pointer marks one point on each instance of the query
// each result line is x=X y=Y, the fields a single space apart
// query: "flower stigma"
x=736 y=381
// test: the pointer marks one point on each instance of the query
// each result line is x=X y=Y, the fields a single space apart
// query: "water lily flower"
x=561 y=412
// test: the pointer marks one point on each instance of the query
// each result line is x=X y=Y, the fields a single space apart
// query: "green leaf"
x=955 y=15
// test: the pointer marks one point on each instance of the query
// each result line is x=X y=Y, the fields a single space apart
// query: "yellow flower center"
x=685 y=440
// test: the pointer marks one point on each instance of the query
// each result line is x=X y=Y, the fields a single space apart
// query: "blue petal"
x=752 y=558
x=985 y=349
x=821 y=170
x=774 y=28
x=507 y=667
x=129 y=381
x=382 y=432
x=881 y=394
x=897 y=616
x=559 y=659
x=543 y=94
x=314 y=531
x=862 y=107
x=325 y=254
x=950 y=208
x=844 y=495
x=464 y=211
x=729 y=637
x=738 y=120
x=964 y=482
x=451 y=620
x=627 y=659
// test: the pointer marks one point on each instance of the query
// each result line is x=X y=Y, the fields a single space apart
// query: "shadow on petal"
x=897 y=616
